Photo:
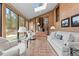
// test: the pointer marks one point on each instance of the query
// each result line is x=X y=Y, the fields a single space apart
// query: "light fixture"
x=22 y=30
x=38 y=23
x=52 y=27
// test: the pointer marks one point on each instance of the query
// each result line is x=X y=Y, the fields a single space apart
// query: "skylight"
x=39 y=6
x=35 y=5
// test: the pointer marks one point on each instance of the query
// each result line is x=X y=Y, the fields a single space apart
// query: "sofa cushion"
x=58 y=43
x=65 y=36
x=71 y=38
x=3 y=40
x=0 y=53
x=4 y=46
x=76 y=36
x=14 y=51
x=77 y=39
x=13 y=43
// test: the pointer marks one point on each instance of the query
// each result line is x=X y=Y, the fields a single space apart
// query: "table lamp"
x=22 y=30
x=52 y=27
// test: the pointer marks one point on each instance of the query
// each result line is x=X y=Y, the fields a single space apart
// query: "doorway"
x=43 y=24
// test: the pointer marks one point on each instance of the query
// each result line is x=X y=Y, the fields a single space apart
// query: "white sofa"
x=61 y=43
x=12 y=48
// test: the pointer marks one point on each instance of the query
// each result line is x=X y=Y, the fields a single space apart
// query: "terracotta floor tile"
x=40 y=47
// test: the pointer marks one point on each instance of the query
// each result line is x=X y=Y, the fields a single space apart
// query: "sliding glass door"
x=11 y=25
x=21 y=24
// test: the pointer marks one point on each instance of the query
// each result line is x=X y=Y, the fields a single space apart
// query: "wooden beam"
x=3 y=20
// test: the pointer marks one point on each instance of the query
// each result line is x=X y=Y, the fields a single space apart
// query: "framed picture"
x=65 y=22
x=75 y=21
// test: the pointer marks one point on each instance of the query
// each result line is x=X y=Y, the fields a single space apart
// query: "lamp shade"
x=52 y=27
x=22 y=29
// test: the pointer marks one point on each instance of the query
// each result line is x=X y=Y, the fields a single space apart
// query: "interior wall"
x=26 y=24
x=34 y=25
x=67 y=10
x=50 y=16
x=30 y=25
x=52 y=19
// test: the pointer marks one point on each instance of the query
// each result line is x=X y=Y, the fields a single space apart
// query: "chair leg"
x=71 y=52
x=27 y=43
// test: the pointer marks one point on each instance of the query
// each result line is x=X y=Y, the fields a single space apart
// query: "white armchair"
x=31 y=35
x=7 y=48
x=11 y=48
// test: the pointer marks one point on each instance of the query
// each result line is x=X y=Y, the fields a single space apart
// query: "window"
x=11 y=25
x=37 y=24
x=34 y=26
x=30 y=25
x=27 y=25
x=21 y=23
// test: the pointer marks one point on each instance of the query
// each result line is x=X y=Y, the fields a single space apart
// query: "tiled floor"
x=40 y=47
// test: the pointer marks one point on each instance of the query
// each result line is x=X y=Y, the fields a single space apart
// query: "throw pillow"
x=3 y=40
x=59 y=36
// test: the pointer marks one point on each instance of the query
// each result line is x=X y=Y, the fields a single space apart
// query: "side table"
x=73 y=50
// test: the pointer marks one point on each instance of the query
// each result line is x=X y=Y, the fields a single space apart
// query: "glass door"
x=11 y=25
